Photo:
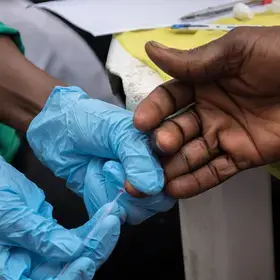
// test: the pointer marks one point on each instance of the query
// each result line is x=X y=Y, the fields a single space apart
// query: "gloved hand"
x=104 y=180
x=25 y=219
x=96 y=251
x=73 y=129
x=18 y=263
x=26 y=222
x=15 y=265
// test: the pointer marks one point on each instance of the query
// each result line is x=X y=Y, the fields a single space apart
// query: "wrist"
x=24 y=88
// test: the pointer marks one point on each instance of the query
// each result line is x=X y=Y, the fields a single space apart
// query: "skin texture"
x=24 y=88
x=234 y=123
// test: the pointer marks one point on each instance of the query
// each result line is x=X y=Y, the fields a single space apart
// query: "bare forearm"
x=24 y=88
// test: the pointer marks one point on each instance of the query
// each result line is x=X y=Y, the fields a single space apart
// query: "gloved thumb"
x=98 y=245
x=219 y=58
x=100 y=233
x=138 y=210
x=81 y=269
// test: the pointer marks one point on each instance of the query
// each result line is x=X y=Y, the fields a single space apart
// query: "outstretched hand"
x=234 y=122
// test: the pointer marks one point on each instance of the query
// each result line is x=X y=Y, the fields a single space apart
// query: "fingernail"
x=156 y=146
x=159 y=147
x=158 y=45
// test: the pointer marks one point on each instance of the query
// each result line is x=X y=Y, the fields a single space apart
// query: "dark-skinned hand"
x=234 y=124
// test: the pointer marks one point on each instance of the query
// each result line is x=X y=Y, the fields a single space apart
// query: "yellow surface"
x=274 y=169
x=135 y=41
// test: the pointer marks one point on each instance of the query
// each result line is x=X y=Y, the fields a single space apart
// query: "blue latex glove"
x=73 y=129
x=103 y=182
x=15 y=264
x=26 y=219
x=18 y=263
x=96 y=251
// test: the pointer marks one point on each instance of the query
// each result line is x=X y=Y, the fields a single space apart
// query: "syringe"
x=91 y=233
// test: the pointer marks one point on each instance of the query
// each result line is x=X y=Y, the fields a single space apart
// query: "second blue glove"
x=103 y=182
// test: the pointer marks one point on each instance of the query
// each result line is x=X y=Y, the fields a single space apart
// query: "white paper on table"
x=102 y=17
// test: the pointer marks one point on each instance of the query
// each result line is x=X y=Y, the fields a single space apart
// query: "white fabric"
x=138 y=79
x=54 y=47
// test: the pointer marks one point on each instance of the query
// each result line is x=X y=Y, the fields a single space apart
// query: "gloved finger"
x=96 y=194
x=219 y=58
x=162 y=102
x=114 y=176
x=132 y=191
x=103 y=240
x=106 y=210
x=21 y=226
x=100 y=234
x=137 y=209
x=143 y=171
x=15 y=263
x=81 y=269
x=98 y=247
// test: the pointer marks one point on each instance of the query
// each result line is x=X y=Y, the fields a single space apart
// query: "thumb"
x=81 y=269
x=101 y=233
x=22 y=227
x=222 y=57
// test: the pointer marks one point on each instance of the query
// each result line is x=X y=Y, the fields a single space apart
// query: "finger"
x=137 y=209
x=101 y=233
x=15 y=263
x=190 y=157
x=95 y=192
x=111 y=171
x=164 y=101
x=211 y=175
x=21 y=226
x=133 y=192
x=173 y=133
x=142 y=169
x=105 y=239
x=81 y=269
x=83 y=231
x=221 y=57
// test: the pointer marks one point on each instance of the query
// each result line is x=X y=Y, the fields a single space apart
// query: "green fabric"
x=14 y=34
x=9 y=141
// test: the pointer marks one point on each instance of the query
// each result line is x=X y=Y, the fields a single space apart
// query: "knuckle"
x=169 y=96
x=197 y=188
x=189 y=124
x=214 y=173
x=178 y=129
x=173 y=189
x=198 y=147
x=184 y=158
x=195 y=120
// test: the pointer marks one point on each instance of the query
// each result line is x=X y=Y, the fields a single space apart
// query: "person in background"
x=233 y=122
